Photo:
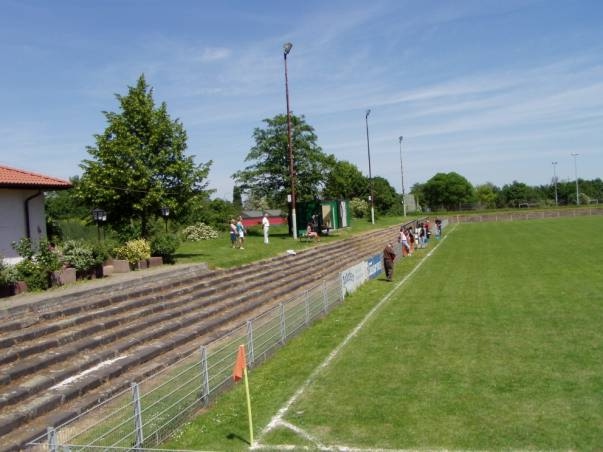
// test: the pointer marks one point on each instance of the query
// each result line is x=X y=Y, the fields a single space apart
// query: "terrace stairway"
x=151 y=321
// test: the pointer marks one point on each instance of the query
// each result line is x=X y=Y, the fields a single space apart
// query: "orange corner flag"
x=239 y=368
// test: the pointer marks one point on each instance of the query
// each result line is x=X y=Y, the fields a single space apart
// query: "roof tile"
x=17 y=178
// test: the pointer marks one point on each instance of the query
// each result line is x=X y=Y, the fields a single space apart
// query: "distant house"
x=254 y=217
x=22 y=206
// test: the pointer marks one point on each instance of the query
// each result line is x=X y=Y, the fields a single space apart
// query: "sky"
x=493 y=90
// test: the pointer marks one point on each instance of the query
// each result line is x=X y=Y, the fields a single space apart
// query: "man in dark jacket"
x=388 y=260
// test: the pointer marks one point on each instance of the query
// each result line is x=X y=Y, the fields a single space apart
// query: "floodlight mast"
x=286 y=49
x=400 y=138
x=368 y=147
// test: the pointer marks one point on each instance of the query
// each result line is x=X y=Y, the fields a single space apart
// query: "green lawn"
x=494 y=343
x=219 y=252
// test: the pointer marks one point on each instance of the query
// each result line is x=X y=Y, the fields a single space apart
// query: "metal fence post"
x=137 y=417
x=325 y=295
x=307 y=306
x=283 y=326
x=250 y=351
x=204 y=376
x=52 y=439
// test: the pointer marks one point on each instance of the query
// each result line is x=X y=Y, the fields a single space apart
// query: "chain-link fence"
x=528 y=215
x=146 y=414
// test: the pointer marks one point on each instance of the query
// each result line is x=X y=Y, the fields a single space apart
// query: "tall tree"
x=487 y=195
x=139 y=164
x=385 y=195
x=448 y=191
x=268 y=174
x=518 y=193
x=62 y=204
x=345 y=181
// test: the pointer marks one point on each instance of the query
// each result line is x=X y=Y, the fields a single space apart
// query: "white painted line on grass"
x=277 y=419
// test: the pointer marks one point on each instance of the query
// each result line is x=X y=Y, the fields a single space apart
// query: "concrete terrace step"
x=86 y=322
x=182 y=311
x=112 y=330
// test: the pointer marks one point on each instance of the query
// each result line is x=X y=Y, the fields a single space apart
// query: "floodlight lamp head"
x=287 y=48
x=400 y=138
x=368 y=112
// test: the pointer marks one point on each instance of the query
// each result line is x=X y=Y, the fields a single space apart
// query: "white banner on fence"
x=353 y=277
x=375 y=265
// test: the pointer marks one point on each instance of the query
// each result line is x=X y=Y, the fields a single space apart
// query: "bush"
x=165 y=246
x=134 y=251
x=102 y=251
x=33 y=274
x=8 y=274
x=359 y=208
x=79 y=255
x=198 y=232
x=38 y=264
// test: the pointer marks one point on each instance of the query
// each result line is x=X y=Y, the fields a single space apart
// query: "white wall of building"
x=13 y=218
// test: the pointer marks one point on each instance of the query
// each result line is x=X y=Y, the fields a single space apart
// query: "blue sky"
x=494 y=90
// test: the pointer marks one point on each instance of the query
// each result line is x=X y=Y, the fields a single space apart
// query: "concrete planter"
x=19 y=287
x=140 y=265
x=64 y=276
x=121 y=266
x=155 y=261
x=10 y=289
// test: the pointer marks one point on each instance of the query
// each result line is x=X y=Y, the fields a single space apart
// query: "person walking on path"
x=388 y=260
x=241 y=233
x=266 y=228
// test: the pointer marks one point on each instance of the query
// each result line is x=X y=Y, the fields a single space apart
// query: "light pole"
x=368 y=147
x=555 y=182
x=165 y=213
x=573 y=154
x=286 y=49
x=400 y=138
x=99 y=216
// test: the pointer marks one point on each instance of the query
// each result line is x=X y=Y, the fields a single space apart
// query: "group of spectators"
x=410 y=238
x=237 y=233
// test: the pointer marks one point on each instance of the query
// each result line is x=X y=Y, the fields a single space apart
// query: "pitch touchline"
x=278 y=417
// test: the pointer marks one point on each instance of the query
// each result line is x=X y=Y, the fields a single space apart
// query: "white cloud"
x=215 y=54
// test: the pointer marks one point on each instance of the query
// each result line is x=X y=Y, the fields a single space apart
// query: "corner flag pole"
x=240 y=371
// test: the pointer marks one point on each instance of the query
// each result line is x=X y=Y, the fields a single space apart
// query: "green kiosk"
x=322 y=216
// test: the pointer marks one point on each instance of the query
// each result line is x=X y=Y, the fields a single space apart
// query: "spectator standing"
x=438 y=223
x=241 y=233
x=266 y=228
x=388 y=260
x=233 y=233
x=403 y=239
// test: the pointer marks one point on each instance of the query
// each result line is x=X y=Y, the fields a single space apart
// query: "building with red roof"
x=22 y=205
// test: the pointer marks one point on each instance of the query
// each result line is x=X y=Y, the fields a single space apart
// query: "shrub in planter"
x=79 y=255
x=33 y=274
x=37 y=265
x=8 y=278
x=134 y=251
x=199 y=231
x=165 y=246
